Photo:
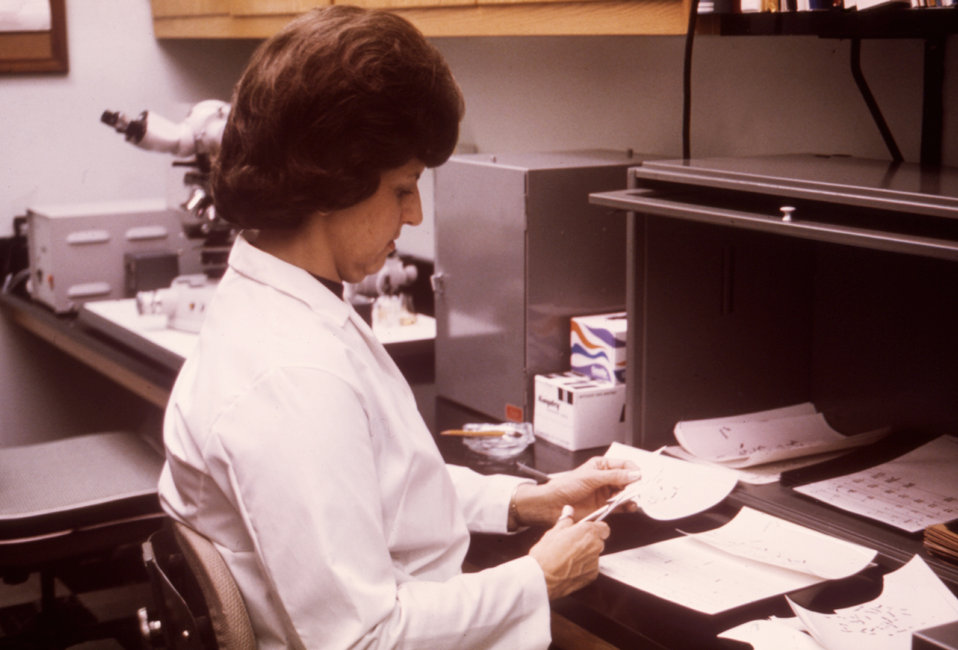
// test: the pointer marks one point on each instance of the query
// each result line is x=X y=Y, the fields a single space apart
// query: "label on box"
x=578 y=412
x=598 y=344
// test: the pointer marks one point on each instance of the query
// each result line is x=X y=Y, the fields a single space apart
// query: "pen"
x=532 y=472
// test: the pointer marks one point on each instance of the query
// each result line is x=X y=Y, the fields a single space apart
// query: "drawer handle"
x=84 y=237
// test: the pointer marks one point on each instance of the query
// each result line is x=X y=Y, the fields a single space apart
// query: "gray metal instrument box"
x=77 y=250
x=519 y=250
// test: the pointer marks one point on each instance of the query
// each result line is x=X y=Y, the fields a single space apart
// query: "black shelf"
x=884 y=21
x=896 y=20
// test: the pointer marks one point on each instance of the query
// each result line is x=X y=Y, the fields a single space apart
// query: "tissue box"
x=578 y=412
x=598 y=346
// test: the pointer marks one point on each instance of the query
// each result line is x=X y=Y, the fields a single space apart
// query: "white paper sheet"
x=758 y=474
x=773 y=634
x=805 y=408
x=912 y=492
x=671 y=488
x=913 y=598
x=761 y=537
x=711 y=438
x=756 y=439
x=700 y=576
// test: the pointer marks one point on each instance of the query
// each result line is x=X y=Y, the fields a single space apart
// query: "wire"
x=886 y=134
x=13 y=280
x=687 y=81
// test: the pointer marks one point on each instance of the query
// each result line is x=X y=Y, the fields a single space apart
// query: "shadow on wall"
x=207 y=68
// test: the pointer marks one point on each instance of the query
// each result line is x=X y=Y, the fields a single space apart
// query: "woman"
x=293 y=441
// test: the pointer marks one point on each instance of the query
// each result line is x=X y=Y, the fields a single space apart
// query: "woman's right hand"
x=569 y=553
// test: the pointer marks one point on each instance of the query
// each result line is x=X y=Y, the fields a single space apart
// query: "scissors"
x=628 y=493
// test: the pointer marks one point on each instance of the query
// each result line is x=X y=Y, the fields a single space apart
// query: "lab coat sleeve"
x=484 y=498
x=301 y=464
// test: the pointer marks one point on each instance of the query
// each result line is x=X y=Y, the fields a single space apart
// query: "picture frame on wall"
x=33 y=37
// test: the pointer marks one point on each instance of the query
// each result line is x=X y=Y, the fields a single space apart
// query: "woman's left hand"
x=585 y=488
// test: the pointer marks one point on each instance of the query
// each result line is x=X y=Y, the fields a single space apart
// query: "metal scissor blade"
x=628 y=493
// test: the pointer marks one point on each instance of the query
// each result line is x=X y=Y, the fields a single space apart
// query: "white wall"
x=54 y=148
x=751 y=95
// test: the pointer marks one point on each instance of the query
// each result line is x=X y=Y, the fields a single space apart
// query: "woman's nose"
x=412 y=211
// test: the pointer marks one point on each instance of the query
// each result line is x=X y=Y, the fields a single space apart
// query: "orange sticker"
x=513 y=413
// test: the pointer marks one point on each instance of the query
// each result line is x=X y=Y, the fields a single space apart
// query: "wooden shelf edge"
x=602 y=17
x=218 y=27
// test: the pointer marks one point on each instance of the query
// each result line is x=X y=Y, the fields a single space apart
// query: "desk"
x=120 y=320
x=141 y=354
x=604 y=614
x=627 y=618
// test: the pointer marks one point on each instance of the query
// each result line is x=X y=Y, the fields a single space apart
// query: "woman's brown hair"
x=326 y=105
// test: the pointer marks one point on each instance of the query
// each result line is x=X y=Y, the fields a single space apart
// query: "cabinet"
x=262 y=18
x=519 y=251
x=851 y=302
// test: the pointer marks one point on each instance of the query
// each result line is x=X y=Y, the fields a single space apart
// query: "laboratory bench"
x=607 y=613
x=109 y=337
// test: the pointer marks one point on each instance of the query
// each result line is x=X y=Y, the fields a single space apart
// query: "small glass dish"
x=516 y=436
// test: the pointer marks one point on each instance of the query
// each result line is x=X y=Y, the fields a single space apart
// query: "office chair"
x=197 y=604
x=66 y=502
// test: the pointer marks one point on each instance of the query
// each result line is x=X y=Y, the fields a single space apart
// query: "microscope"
x=194 y=142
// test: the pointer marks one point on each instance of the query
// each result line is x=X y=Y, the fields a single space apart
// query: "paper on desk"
x=670 y=488
x=708 y=438
x=759 y=474
x=773 y=634
x=759 y=438
x=761 y=537
x=913 y=598
x=912 y=492
x=698 y=575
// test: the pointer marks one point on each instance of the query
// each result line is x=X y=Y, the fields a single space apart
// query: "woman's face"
x=363 y=235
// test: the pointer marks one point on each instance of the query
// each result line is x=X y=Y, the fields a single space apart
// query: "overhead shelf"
x=173 y=19
x=884 y=21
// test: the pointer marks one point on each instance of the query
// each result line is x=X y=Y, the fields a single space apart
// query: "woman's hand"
x=585 y=488
x=569 y=554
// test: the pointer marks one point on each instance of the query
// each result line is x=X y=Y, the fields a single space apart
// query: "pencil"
x=489 y=433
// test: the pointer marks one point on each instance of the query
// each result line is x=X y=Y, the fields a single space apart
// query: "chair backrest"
x=197 y=600
x=224 y=602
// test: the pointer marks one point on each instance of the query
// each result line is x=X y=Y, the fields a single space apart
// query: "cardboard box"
x=77 y=250
x=577 y=412
x=598 y=346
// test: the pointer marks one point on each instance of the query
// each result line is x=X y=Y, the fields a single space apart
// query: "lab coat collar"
x=287 y=278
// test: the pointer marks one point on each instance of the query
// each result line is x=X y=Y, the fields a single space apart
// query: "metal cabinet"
x=848 y=297
x=519 y=250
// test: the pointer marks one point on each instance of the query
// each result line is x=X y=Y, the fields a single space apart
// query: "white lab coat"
x=295 y=444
